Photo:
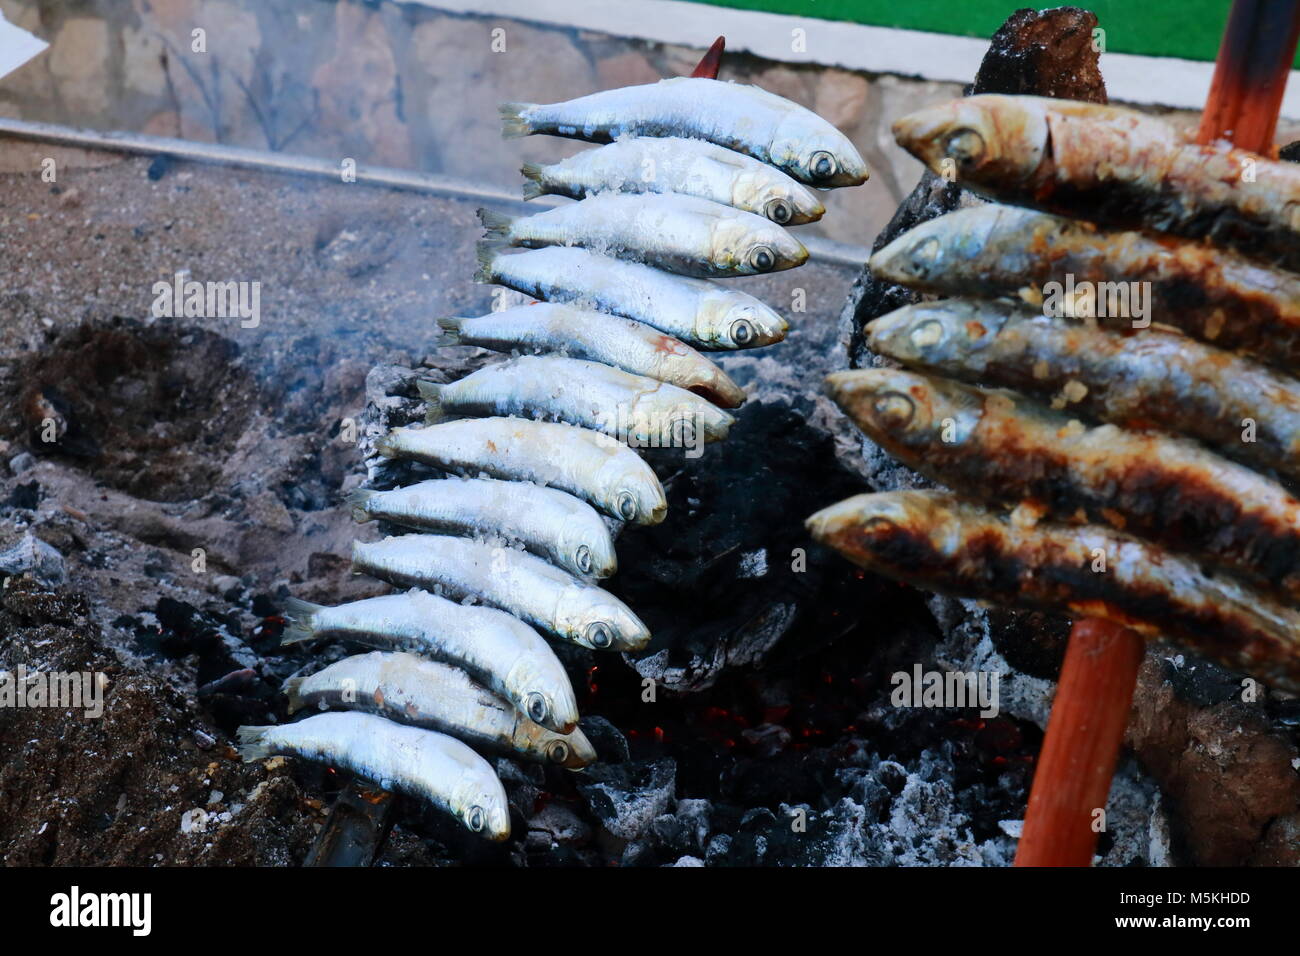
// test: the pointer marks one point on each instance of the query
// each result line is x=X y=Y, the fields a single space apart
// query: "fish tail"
x=357 y=502
x=302 y=618
x=450 y=329
x=386 y=446
x=487 y=256
x=253 y=744
x=535 y=180
x=496 y=225
x=431 y=392
x=293 y=691
x=513 y=124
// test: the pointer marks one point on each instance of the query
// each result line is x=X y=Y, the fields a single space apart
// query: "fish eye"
x=877 y=525
x=537 y=707
x=966 y=146
x=894 y=408
x=762 y=258
x=929 y=332
x=742 y=331
x=626 y=506
x=925 y=255
x=558 y=751
x=475 y=818
x=582 y=558
x=779 y=211
x=598 y=634
x=822 y=165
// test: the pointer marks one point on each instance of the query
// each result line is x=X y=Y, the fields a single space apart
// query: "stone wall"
x=396 y=84
x=401 y=85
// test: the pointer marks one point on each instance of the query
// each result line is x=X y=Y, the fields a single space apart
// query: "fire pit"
x=195 y=482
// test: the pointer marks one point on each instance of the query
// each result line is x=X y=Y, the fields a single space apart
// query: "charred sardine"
x=1125 y=280
x=999 y=446
x=1151 y=379
x=938 y=542
x=1112 y=166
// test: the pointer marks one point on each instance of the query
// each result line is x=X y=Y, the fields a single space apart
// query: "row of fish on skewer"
x=697 y=182
x=1167 y=444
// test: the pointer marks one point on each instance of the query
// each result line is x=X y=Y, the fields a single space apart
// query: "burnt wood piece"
x=355 y=830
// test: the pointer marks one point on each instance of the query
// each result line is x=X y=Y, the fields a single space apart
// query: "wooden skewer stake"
x=1084 y=735
x=1250 y=76
x=712 y=59
x=1095 y=691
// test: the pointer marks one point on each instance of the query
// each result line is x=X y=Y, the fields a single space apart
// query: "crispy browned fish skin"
x=935 y=541
x=1150 y=379
x=1113 y=166
x=1211 y=294
x=999 y=446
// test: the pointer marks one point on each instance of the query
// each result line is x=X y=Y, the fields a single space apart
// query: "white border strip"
x=17 y=46
x=1166 y=81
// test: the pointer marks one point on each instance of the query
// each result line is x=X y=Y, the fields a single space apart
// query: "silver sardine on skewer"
x=422 y=763
x=1000 y=446
x=743 y=118
x=598 y=337
x=423 y=693
x=685 y=235
x=701 y=313
x=1151 y=379
x=671 y=164
x=589 y=465
x=1211 y=294
x=938 y=542
x=640 y=410
x=1112 y=166
x=538 y=593
x=497 y=650
x=551 y=523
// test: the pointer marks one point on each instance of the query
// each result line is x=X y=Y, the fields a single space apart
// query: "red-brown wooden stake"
x=712 y=59
x=1082 y=745
x=1250 y=77
x=1095 y=691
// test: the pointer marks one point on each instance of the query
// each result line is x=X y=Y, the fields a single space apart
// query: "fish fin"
x=302 y=618
x=431 y=392
x=487 y=255
x=535 y=176
x=496 y=225
x=292 y=690
x=513 y=124
x=252 y=743
x=450 y=329
x=356 y=500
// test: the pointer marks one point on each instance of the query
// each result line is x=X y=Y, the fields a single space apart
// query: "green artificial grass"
x=1191 y=29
